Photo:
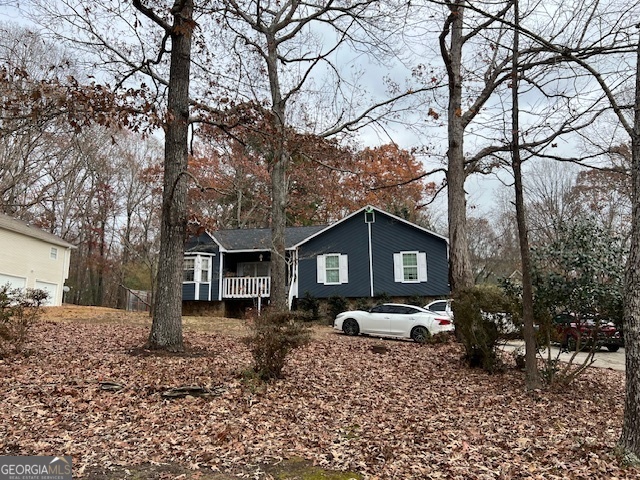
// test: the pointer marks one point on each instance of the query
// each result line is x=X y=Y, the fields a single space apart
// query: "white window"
x=410 y=267
x=197 y=269
x=189 y=270
x=53 y=254
x=204 y=269
x=332 y=269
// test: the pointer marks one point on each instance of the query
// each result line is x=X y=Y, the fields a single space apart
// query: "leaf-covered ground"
x=412 y=412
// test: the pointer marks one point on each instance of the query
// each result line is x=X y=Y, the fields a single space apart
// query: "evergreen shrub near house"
x=416 y=300
x=382 y=297
x=273 y=336
x=480 y=314
x=310 y=306
x=19 y=309
x=337 y=305
x=363 y=304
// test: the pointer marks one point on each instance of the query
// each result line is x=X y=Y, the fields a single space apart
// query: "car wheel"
x=613 y=348
x=350 y=327
x=572 y=343
x=420 y=334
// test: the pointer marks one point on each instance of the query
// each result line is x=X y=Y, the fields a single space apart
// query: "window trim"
x=53 y=253
x=399 y=267
x=405 y=267
x=191 y=269
x=331 y=269
x=201 y=270
x=197 y=268
x=343 y=269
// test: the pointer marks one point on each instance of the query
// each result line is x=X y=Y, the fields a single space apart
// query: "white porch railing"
x=246 y=287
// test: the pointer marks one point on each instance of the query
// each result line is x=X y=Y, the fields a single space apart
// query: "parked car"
x=570 y=332
x=393 y=320
x=503 y=321
x=441 y=307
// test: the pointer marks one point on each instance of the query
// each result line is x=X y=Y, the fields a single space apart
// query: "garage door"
x=15 y=282
x=51 y=289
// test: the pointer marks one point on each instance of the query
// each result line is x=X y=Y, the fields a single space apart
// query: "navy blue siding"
x=391 y=236
x=350 y=238
x=204 y=291
x=188 y=291
x=388 y=236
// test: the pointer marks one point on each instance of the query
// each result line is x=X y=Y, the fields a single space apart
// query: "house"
x=366 y=254
x=33 y=258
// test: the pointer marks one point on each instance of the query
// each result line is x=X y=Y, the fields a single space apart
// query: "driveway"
x=603 y=358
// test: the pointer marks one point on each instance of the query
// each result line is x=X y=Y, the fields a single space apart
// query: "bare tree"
x=550 y=193
x=283 y=51
x=590 y=53
x=531 y=366
x=475 y=44
x=166 y=329
x=282 y=48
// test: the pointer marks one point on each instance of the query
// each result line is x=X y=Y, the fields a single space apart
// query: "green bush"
x=481 y=314
x=363 y=304
x=274 y=335
x=416 y=300
x=19 y=309
x=337 y=305
x=310 y=305
x=382 y=297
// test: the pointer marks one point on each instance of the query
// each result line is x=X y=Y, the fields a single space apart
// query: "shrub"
x=273 y=336
x=337 y=305
x=19 y=309
x=481 y=315
x=416 y=300
x=363 y=304
x=382 y=297
x=310 y=305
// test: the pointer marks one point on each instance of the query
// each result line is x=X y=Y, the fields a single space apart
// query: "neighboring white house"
x=33 y=258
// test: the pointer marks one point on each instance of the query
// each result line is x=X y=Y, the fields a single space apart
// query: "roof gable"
x=259 y=239
x=18 y=226
x=378 y=211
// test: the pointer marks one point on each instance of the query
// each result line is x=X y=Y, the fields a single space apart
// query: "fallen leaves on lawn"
x=414 y=412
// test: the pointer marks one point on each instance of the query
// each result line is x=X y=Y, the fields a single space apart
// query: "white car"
x=393 y=320
x=441 y=307
x=502 y=320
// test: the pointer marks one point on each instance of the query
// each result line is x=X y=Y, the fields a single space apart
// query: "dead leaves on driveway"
x=413 y=412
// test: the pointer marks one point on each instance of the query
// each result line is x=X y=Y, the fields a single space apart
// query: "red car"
x=572 y=333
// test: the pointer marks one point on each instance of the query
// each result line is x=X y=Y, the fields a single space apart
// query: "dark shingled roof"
x=260 y=238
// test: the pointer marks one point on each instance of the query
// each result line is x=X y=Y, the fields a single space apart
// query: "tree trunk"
x=460 y=274
x=279 y=298
x=630 y=439
x=531 y=367
x=166 y=329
